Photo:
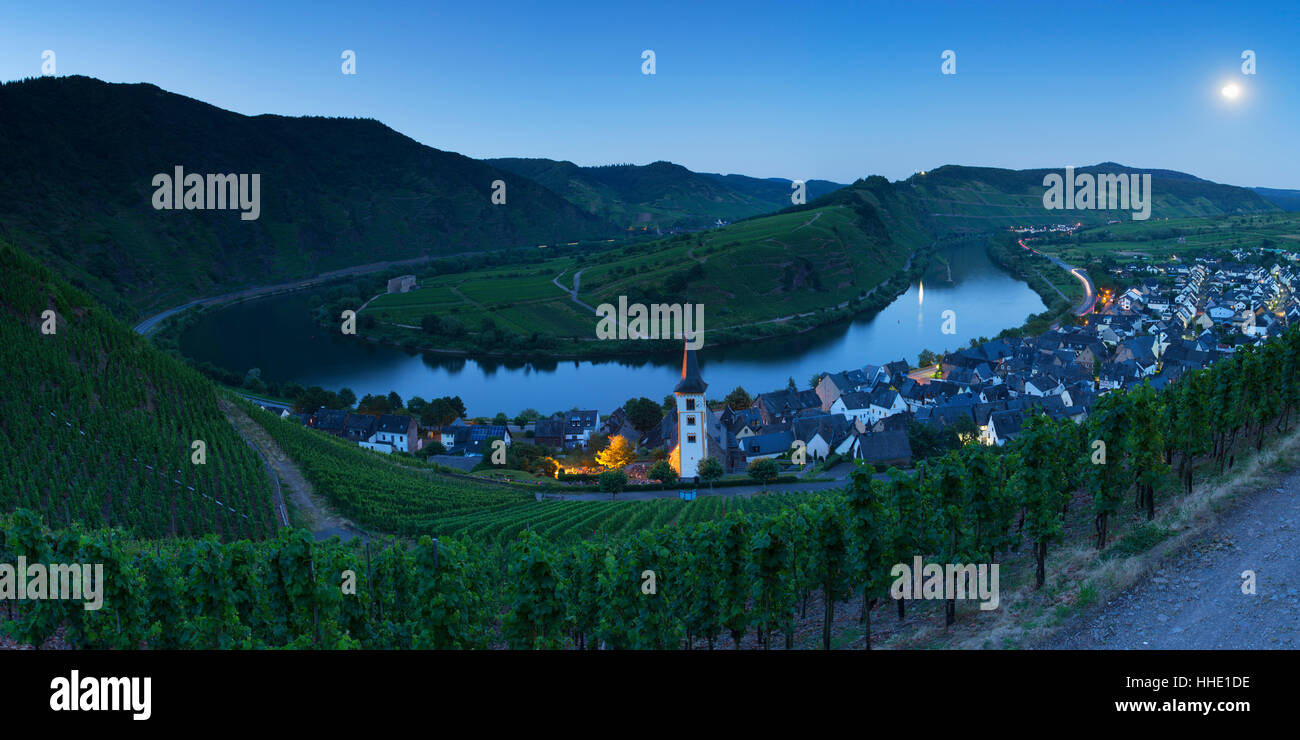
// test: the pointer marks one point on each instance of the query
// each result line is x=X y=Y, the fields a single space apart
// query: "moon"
x=1231 y=91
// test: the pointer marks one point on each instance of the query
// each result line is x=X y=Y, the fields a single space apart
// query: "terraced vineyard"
x=410 y=500
x=99 y=425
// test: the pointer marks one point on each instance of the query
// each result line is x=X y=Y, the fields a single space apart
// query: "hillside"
x=79 y=156
x=660 y=195
x=968 y=199
x=98 y=425
x=844 y=253
x=1285 y=199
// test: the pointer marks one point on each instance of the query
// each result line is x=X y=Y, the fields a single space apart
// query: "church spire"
x=691 y=381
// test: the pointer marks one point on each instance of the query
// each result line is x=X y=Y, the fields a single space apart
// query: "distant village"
x=1174 y=317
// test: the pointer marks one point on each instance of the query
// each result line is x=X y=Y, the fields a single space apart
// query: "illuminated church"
x=698 y=433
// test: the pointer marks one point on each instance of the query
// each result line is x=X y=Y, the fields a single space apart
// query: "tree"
x=738 y=399
x=764 y=470
x=926 y=358
x=374 y=405
x=643 y=414
x=346 y=396
x=815 y=380
x=709 y=470
x=612 y=482
x=618 y=454
x=394 y=401
x=662 y=472
x=670 y=403
x=501 y=419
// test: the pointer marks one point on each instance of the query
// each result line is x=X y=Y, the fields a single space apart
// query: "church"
x=698 y=433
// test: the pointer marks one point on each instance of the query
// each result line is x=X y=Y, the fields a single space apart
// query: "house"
x=471 y=439
x=402 y=433
x=824 y=435
x=360 y=428
x=549 y=433
x=402 y=284
x=328 y=420
x=1004 y=426
x=782 y=405
x=884 y=448
x=579 y=426
x=854 y=405
x=617 y=425
x=761 y=446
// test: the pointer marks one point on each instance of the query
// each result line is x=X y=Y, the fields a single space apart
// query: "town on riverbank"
x=1171 y=317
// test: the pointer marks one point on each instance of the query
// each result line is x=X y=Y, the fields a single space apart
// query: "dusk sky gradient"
x=835 y=90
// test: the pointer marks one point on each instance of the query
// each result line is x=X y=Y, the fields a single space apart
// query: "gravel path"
x=312 y=508
x=1195 y=600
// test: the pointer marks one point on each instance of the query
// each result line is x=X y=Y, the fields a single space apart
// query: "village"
x=1174 y=317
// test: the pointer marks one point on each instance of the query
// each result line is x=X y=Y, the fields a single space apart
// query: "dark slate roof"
x=1007 y=423
x=832 y=427
x=875 y=447
x=577 y=421
x=394 y=424
x=894 y=423
x=549 y=428
x=331 y=420
x=767 y=444
x=360 y=424
x=691 y=381
x=855 y=400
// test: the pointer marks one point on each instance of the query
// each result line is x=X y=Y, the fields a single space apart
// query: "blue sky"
x=835 y=90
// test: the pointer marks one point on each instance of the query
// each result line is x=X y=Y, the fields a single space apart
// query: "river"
x=276 y=334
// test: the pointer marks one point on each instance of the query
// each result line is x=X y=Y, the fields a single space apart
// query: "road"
x=1195 y=599
x=1089 y=290
x=150 y=323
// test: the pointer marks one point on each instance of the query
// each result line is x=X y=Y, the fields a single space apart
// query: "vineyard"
x=748 y=573
x=410 y=500
x=97 y=426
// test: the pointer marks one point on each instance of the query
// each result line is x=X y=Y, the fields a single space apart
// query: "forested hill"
x=661 y=194
x=958 y=198
x=79 y=156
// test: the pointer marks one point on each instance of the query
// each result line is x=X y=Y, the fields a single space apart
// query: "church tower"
x=692 y=417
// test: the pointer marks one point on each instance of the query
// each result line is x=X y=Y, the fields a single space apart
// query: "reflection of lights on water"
x=920 y=293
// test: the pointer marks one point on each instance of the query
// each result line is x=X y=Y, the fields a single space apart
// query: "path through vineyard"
x=312 y=510
x=1195 y=600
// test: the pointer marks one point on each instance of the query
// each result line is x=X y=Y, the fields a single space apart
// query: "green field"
x=1136 y=240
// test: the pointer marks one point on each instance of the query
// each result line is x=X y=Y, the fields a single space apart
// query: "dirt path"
x=1195 y=600
x=310 y=509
